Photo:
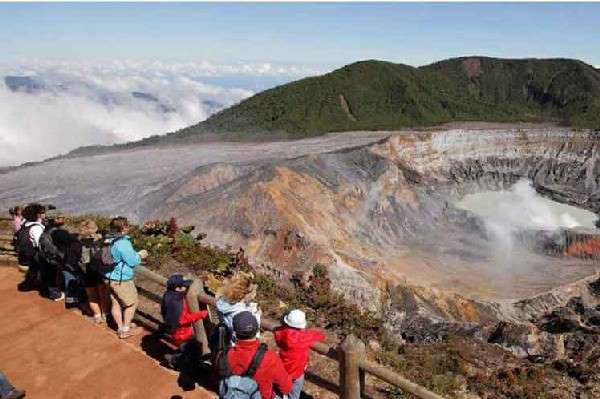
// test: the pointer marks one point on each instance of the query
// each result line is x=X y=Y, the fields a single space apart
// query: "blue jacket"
x=227 y=311
x=125 y=257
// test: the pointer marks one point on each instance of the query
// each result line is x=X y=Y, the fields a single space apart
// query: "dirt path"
x=54 y=353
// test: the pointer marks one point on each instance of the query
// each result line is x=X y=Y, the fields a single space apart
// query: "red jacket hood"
x=294 y=346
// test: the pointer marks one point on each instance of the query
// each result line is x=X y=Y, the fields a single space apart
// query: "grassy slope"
x=383 y=95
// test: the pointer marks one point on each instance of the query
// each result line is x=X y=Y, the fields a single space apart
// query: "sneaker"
x=60 y=298
x=15 y=394
x=96 y=319
x=125 y=334
x=71 y=300
x=130 y=332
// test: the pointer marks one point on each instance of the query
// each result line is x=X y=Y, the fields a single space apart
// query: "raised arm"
x=187 y=319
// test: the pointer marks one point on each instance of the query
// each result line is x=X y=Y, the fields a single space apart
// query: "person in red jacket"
x=179 y=320
x=270 y=376
x=294 y=342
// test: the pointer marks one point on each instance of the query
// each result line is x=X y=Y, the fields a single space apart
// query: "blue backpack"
x=243 y=386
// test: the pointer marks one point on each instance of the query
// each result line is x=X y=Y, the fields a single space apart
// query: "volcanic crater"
x=379 y=209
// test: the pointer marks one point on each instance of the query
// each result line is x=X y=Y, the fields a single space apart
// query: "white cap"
x=296 y=319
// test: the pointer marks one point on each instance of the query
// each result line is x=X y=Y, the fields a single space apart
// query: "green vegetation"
x=73 y=222
x=323 y=306
x=380 y=95
x=458 y=365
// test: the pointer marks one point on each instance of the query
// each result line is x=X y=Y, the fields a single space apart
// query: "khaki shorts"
x=123 y=292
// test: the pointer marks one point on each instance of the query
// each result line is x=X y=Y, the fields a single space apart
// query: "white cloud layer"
x=77 y=103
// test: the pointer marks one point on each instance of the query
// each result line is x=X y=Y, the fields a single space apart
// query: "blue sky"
x=299 y=33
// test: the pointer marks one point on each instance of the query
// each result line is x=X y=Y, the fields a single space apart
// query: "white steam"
x=78 y=104
x=521 y=208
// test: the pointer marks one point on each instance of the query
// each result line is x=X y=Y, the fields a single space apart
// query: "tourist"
x=17 y=218
x=294 y=342
x=123 y=294
x=236 y=296
x=7 y=391
x=80 y=260
x=27 y=244
x=53 y=244
x=269 y=373
x=179 y=320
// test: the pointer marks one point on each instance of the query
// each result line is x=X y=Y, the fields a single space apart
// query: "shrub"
x=323 y=306
x=102 y=222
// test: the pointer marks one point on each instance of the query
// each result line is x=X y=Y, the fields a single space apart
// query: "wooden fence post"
x=351 y=352
x=196 y=289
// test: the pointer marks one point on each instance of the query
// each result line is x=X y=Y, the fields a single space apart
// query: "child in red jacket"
x=294 y=342
x=179 y=320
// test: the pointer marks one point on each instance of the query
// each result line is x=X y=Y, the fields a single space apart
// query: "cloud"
x=83 y=103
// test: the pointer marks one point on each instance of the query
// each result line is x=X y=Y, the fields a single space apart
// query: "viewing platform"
x=52 y=353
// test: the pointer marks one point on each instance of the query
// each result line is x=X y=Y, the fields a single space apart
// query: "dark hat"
x=177 y=280
x=245 y=325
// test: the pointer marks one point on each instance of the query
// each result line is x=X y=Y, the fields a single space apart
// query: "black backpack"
x=15 y=237
x=49 y=252
x=101 y=257
x=73 y=260
x=220 y=338
x=23 y=245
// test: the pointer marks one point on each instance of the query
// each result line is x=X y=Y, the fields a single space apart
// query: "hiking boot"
x=16 y=394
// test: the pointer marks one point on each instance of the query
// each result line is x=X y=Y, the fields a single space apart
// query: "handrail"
x=338 y=354
x=393 y=378
x=265 y=323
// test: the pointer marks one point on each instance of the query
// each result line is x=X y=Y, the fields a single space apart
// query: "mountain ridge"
x=380 y=95
x=386 y=96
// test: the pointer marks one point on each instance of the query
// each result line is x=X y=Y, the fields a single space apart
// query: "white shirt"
x=35 y=232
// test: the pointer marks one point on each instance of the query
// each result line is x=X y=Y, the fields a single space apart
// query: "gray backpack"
x=48 y=249
x=243 y=386
x=101 y=256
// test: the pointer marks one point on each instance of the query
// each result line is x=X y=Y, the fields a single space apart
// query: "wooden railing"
x=350 y=355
